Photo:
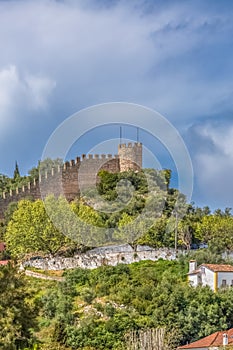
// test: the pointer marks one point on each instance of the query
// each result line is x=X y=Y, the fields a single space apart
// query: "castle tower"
x=130 y=156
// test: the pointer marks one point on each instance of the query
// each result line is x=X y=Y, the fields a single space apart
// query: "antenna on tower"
x=120 y=135
x=137 y=134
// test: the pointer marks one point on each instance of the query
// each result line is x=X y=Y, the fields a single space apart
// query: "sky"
x=175 y=57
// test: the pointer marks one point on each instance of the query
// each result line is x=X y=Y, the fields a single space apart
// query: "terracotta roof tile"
x=213 y=267
x=215 y=339
x=219 y=268
x=4 y=262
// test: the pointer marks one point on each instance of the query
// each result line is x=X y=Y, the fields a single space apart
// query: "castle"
x=74 y=176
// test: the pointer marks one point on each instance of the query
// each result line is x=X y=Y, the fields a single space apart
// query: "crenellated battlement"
x=52 y=171
x=67 y=178
x=130 y=145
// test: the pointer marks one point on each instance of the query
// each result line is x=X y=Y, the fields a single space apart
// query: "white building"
x=212 y=275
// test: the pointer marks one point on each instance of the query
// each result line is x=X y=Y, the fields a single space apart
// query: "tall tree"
x=16 y=171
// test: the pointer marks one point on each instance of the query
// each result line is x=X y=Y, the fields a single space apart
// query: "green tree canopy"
x=31 y=230
x=18 y=313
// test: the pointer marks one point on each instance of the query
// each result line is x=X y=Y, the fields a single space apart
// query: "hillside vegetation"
x=149 y=212
x=97 y=309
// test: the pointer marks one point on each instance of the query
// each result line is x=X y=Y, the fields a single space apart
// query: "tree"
x=18 y=314
x=4 y=183
x=185 y=234
x=16 y=171
x=157 y=235
x=151 y=339
x=167 y=177
x=217 y=230
x=31 y=230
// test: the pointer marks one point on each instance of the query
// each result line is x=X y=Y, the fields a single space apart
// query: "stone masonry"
x=110 y=255
x=77 y=175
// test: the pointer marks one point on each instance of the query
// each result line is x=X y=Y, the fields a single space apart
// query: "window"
x=224 y=283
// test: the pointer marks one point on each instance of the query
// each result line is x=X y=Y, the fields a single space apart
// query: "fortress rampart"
x=76 y=175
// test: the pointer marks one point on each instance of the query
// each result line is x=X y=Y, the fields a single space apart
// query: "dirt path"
x=43 y=277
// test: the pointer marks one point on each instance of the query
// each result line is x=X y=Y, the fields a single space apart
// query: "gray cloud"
x=21 y=94
x=60 y=56
x=115 y=53
x=211 y=145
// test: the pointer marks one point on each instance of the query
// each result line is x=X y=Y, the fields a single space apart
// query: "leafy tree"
x=31 y=230
x=157 y=235
x=18 y=314
x=217 y=230
x=167 y=176
x=185 y=234
x=4 y=183
x=10 y=211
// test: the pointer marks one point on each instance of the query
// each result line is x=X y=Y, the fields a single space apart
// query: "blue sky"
x=175 y=57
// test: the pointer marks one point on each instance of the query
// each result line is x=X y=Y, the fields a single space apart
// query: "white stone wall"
x=228 y=276
x=102 y=256
x=193 y=280
x=207 y=277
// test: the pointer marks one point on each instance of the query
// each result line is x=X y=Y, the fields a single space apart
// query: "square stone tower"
x=130 y=156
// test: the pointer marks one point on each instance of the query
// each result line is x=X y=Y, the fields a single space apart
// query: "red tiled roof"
x=215 y=339
x=219 y=268
x=213 y=267
x=4 y=262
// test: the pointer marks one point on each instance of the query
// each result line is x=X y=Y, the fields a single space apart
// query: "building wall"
x=207 y=277
x=193 y=279
x=91 y=165
x=228 y=276
x=211 y=278
x=31 y=191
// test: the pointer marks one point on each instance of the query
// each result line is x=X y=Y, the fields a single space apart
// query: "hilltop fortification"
x=76 y=175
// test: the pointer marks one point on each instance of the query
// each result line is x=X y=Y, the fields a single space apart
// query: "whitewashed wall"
x=193 y=280
x=207 y=278
x=228 y=276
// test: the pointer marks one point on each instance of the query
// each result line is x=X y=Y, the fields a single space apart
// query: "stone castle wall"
x=75 y=176
x=122 y=254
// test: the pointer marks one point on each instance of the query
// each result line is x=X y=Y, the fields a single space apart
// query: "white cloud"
x=213 y=164
x=21 y=94
x=38 y=90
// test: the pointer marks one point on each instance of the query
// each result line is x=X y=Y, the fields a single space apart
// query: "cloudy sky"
x=176 y=57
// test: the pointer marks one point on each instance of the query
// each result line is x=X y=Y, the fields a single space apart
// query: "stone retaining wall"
x=102 y=256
